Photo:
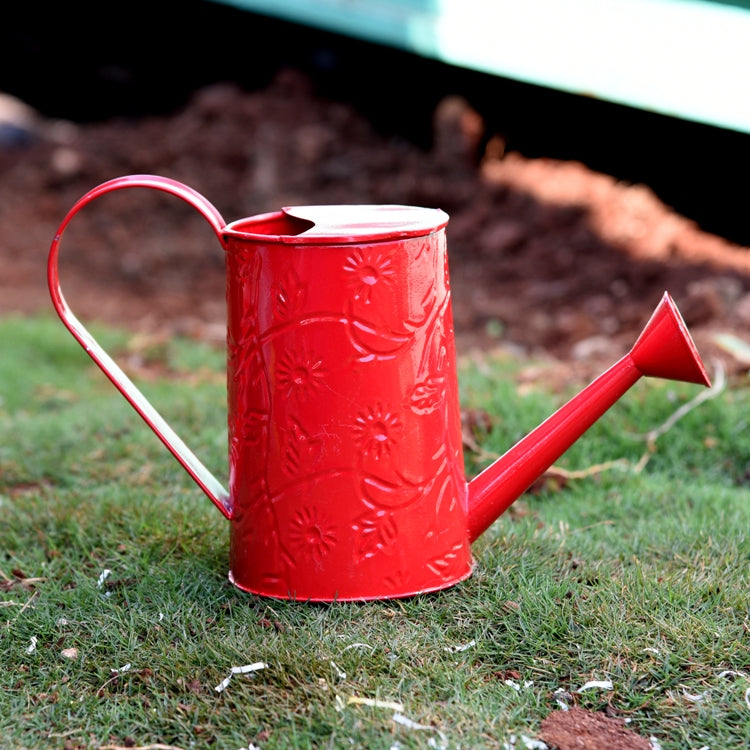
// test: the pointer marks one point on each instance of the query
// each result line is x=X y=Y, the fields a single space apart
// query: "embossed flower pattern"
x=366 y=270
x=299 y=373
x=312 y=535
x=377 y=430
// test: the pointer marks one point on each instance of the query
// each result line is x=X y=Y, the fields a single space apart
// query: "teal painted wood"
x=685 y=58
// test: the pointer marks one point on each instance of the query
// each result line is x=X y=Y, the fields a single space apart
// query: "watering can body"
x=346 y=473
x=346 y=469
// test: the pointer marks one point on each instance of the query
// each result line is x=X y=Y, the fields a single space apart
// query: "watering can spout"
x=664 y=349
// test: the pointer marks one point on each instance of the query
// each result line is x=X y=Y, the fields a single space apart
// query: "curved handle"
x=200 y=474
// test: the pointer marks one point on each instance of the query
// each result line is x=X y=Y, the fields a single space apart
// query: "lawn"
x=118 y=628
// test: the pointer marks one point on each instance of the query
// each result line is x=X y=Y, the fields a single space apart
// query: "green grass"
x=640 y=578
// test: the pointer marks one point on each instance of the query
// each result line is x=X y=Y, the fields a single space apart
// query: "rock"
x=19 y=123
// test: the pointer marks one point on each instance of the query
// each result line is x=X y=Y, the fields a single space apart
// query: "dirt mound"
x=578 y=729
x=545 y=255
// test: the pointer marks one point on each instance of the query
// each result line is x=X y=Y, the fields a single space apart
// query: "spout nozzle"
x=665 y=348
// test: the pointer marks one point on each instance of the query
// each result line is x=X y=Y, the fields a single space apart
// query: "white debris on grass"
x=32 y=645
x=516 y=686
x=655 y=744
x=223 y=684
x=106 y=573
x=341 y=703
x=254 y=667
x=405 y=721
x=69 y=653
x=462 y=647
x=695 y=697
x=339 y=672
x=533 y=744
x=563 y=697
x=527 y=742
x=732 y=673
x=560 y=694
x=115 y=673
x=358 y=645
x=729 y=674
x=102 y=578
x=595 y=684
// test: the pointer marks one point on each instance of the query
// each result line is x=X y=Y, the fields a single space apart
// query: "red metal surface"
x=346 y=476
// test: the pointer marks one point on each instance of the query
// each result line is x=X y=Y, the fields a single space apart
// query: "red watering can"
x=346 y=473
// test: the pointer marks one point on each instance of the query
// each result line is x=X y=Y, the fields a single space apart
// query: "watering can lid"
x=363 y=222
x=351 y=223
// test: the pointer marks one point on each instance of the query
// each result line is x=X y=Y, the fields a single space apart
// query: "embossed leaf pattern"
x=301 y=449
x=249 y=426
x=381 y=493
x=374 y=532
x=442 y=566
x=291 y=461
x=244 y=352
x=397 y=581
x=288 y=296
x=247 y=264
x=428 y=395
x=375 y=343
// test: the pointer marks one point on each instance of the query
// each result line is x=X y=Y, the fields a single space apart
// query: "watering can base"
x=376 y=595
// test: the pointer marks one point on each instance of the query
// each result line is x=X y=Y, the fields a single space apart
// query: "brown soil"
x=578 y=729
x=545 y=255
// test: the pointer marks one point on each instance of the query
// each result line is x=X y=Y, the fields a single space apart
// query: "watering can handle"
x=200 y=474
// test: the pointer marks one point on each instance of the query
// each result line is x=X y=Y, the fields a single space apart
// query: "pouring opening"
x=276 y=224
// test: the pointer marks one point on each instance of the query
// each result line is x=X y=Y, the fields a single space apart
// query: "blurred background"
x=91 y=61
x=572 y=209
